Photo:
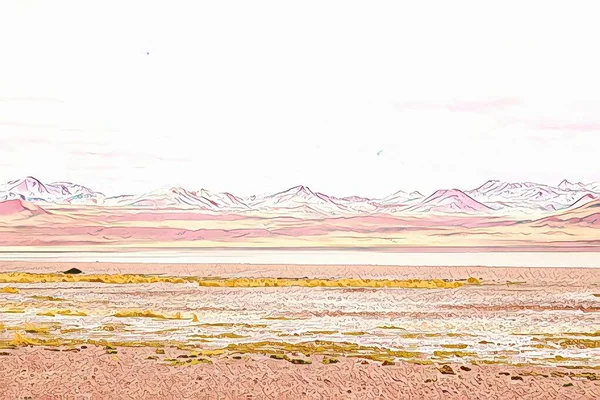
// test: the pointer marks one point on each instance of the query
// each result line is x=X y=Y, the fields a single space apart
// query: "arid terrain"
x=232 y=330
x=497 y=215
x=78 y=228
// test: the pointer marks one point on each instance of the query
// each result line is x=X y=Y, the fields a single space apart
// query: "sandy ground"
x=553 y=299
x=93 y=374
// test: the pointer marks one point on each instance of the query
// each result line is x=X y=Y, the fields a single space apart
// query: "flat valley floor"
x=240 y=331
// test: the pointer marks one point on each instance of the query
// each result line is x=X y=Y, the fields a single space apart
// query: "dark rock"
x=465 y=368
x=446 y=369
x=73 y=271
x=299 y=361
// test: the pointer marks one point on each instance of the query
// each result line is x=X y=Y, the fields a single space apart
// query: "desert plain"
x=241 y=331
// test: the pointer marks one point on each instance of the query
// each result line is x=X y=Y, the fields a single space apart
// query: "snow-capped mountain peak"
x=492 y=195
x=32 y=189
x=566 y=185
x=402 y=198
x=449 y=201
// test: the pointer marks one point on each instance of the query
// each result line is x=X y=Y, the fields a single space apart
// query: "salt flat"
x=322 y=257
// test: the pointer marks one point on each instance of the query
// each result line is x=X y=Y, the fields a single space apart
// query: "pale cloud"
x=256 y=97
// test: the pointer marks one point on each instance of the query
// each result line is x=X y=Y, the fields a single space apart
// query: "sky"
x=346 y=97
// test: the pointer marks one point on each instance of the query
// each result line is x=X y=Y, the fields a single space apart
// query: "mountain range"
x=493 y=197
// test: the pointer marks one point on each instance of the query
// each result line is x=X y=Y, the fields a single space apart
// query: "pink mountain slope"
x=584 y=200
x=587 y=215
x=448 y=201
x=18 y=206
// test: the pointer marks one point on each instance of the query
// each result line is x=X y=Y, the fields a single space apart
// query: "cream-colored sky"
x=260 y=96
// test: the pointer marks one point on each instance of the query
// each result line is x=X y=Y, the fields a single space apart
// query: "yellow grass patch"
x=233 y=324
x=25 y=277
x=322 y=347
x=144 y=314
x=14 y=311
x=455 y=346
x=390 y=327
x=280 y=318
x=219 y=336
x=71 y=330
x=446 y=354
x=37 y=329
x=46 y=314
x=47 y=298
x=581 y=343
x=345 y=282
x=189 y=361
x=214 y=352
x=9 y=289
x=71 y=313
x=592 y=334
x=66 y=312
x=410 y=335
x=20 y=340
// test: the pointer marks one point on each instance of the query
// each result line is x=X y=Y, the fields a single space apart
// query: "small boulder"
x=73 y=271
x=446 y=370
